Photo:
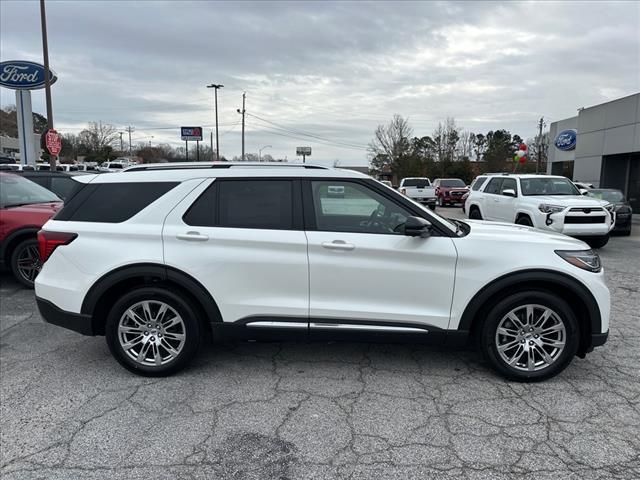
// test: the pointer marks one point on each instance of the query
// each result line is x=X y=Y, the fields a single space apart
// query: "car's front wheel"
x=152 y=331
x=474 y=213
x=530 y=336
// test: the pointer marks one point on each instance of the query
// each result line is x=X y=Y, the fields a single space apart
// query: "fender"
x=30 y=229
x=152 y=270
x=539 y=276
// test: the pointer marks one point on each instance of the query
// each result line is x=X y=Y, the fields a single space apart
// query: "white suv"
x=270 y=252
x=542 y=201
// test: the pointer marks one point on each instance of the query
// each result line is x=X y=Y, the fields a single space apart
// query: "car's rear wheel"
x=25 y=262
x=597 y=242
x=530 y=336
x=152 y=331
x=474 y=213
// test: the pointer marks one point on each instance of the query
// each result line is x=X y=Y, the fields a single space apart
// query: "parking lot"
x=321 y=411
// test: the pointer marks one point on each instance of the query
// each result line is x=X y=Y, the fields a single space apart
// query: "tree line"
x=447 y=152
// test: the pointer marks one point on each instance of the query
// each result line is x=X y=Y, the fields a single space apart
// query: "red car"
x=449 y=190
x=24 y=207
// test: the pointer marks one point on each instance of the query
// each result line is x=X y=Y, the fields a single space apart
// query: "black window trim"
x=296 y=207
x=439 y=230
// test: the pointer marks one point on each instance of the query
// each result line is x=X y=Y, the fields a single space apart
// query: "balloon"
x=516 y=158
x=523 y=159
x=523 y=147
x=521 y=153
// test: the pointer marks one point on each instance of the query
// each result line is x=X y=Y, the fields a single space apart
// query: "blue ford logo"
x=23 y=75
x=566 y=140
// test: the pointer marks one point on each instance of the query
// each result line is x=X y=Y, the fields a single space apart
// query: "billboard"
x=191 y=133
x=306 y=151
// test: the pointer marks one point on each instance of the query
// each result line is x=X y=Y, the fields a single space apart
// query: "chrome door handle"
x=338 y=245
x=192 y=237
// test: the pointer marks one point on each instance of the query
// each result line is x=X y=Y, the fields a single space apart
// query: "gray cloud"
x=336 y=69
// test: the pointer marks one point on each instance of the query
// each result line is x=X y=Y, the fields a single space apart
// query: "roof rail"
x=199 y=165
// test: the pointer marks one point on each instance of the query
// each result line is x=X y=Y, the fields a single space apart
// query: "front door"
x=363 y=270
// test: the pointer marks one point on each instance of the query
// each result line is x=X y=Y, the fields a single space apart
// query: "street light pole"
x=242 y=112
x=47 y=77
x=260 y=151
x=215 y=96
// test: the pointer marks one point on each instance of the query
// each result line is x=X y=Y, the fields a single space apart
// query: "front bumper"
x=557 y=223
x=73 y=321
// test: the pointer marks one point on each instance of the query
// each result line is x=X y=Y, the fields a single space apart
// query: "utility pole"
x=129 y=130
x=211 y=141
x=242 y=112
x=215 y=92
x=538 y=160
x=121 y=146
x=47 y=77
x=197 y=150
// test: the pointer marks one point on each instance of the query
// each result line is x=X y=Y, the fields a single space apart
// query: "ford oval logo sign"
x=23 y=75
x=566 y=140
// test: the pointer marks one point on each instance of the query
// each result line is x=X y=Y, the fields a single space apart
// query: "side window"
x=478 y=183
x=202 y=212
x=342 y=206
x=508 y=183
x=494 y=185
x=265 y=204
x=62 y=186
x=40 y=180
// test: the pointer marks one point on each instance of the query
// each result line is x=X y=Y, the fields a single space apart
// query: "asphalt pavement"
x=317 y=411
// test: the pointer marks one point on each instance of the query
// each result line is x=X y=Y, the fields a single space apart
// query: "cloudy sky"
x=334 y=70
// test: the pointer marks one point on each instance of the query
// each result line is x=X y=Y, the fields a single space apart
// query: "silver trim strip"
x=356 y=327
x=266 y=324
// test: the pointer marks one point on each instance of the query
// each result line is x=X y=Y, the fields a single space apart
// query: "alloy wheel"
x=29 y=264
x=152 y=333
x=530 y=337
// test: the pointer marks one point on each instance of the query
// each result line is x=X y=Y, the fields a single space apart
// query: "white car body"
x=309 y=279
x=424 y=195
x=577 y=214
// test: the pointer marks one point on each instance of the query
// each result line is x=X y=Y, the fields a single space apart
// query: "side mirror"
x=584 y=191
x=417 y=227
x=509 y=192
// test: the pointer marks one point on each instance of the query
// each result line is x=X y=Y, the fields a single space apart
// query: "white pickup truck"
x=542 y=201
x=420 y=190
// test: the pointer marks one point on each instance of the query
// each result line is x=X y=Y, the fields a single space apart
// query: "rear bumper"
x=73 y=321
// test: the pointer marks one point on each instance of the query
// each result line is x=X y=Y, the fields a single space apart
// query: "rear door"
x=243 y=240
x=364 y=273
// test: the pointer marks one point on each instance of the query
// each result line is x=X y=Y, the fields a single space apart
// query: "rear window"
x=416 y=182
x=112 y=202
x=452 y=183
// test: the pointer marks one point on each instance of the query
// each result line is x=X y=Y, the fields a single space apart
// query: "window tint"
x=494 y=185
x=112 y=202
x=15 y=191
x=266 y=204
x=39 y=179
x=477 y=184
x=342 y=206
x=202 y=211
x=508 y=183
x=416 y=182
x=62 y=186
x=548 y=186
x=452 y=183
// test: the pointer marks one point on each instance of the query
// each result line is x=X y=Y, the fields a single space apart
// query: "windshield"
x=15 y=190
x=416 y=182
x=548 y=186
x=611 y=196
x=452 y=182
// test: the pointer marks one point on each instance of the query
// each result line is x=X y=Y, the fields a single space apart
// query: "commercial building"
x=10 y=146
x=601 y=145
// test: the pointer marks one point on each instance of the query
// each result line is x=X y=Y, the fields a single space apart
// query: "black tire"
x=487 y=336
x=474 y=213
x=625 y=233
x=432 y=207
x=22 y=253
x=524 y=220
x=192 y=331
x=597 y=242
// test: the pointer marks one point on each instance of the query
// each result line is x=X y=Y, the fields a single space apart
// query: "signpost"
x=23 y=76
x=304 y=151
x=190 y=134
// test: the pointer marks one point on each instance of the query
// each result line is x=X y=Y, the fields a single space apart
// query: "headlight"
x=546 y=208
x=584 y=259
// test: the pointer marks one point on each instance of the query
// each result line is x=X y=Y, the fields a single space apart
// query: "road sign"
x=191 y=133
x=304 y=151
x=53 y=141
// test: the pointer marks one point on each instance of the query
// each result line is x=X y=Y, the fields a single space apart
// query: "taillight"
x=49 y=241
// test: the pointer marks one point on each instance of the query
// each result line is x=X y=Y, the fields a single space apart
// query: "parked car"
x=387 y=183
x=449 y=191
x=24 y=208
x=543 y=201
x=116 y=166
x=60 y=183
x=420 y=190
x=583 y=186
x=622 y=208
x=278 y=251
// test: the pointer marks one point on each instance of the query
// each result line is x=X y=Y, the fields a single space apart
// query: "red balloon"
x=523 y=147
x=523 y=159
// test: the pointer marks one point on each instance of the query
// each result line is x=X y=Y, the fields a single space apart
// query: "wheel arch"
x=109 y=287
x=572 y=291
x=13 y=239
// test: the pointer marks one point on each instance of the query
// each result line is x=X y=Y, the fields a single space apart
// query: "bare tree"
x=98 y=136
x=465 y=145
x=390 y=143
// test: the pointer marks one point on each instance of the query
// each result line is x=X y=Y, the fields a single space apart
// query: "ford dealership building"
x=601 y=146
